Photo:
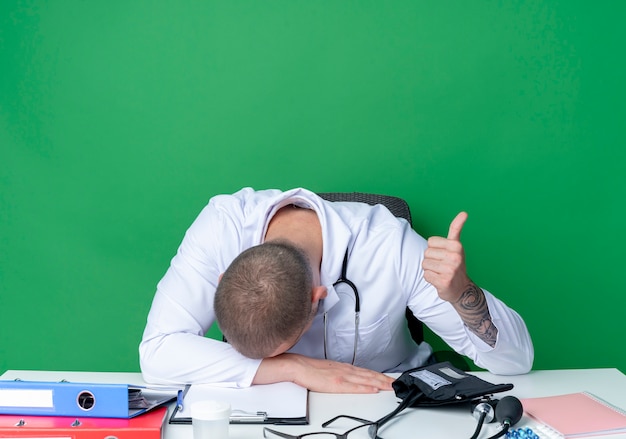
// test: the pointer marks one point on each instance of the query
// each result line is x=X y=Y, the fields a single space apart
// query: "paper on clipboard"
x=279 y=403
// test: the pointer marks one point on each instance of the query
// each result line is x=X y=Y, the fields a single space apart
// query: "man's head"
x=264 y=299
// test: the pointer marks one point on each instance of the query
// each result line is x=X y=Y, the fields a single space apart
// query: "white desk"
x=443 y=422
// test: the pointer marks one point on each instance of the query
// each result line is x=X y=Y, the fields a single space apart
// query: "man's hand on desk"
x=321 y=375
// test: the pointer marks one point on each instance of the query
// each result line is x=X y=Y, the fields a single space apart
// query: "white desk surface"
x=413 y=423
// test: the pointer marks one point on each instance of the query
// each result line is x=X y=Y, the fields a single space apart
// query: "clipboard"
x=88 y=400
x=280 y=403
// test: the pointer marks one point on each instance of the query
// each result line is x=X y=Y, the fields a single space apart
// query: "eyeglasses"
x=372 y=430
x=372 y=427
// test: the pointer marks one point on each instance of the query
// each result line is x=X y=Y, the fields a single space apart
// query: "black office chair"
x=400 y=208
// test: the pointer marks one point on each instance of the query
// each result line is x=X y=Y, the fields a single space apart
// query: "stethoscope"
x=357 y=306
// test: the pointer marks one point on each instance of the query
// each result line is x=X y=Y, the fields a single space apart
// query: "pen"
x=179 y=400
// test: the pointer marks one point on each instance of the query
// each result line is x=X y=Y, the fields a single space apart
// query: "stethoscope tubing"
x=357 y=307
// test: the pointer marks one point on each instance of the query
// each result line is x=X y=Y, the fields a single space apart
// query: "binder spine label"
x=33 y=398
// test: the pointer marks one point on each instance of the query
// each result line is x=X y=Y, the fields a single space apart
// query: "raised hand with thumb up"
x=444 y=267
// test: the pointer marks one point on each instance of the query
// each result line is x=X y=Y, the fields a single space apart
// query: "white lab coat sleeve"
x=513 y=352
x=174 y=349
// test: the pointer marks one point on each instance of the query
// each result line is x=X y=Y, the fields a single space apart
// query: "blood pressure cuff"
x=441 y=384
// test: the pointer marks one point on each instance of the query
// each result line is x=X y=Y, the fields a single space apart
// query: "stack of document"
x=573 y=415
x=29 y=408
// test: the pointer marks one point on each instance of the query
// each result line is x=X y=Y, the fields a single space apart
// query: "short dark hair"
x=264 y=298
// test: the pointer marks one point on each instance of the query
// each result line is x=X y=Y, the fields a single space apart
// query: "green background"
x=119 y=119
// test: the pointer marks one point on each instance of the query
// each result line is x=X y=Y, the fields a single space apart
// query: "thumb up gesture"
x=444 y=262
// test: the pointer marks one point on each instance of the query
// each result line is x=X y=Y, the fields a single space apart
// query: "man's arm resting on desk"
x=324 y=376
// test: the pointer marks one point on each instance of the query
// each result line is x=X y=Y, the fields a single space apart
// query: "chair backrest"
x=400 y=208
x=396 y=205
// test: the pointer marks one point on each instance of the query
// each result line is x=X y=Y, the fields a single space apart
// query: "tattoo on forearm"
x=473 y=309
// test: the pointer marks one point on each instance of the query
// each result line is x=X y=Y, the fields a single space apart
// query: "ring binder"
x=79 y=399
x=147 y=426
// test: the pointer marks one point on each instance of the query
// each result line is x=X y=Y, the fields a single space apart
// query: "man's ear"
x=318 y=293
x=219 y=279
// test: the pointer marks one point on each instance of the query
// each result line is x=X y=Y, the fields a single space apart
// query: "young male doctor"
x=284 y=273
